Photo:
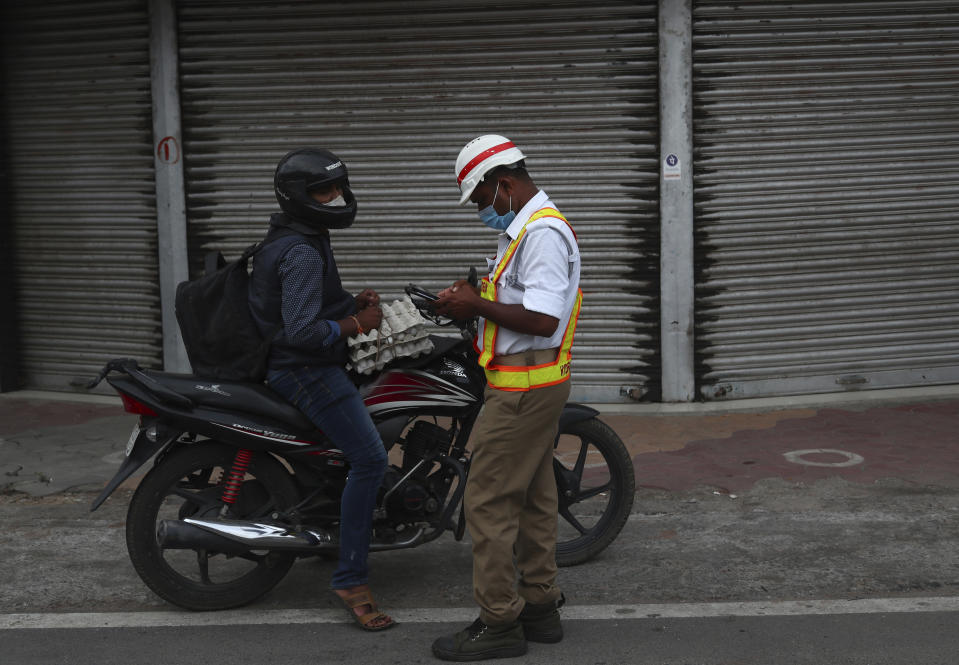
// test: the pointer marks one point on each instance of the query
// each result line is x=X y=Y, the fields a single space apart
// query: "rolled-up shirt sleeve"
x=545 y=272
x=301 y=277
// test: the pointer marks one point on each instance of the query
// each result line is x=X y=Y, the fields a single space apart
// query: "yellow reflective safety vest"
x=536 y=376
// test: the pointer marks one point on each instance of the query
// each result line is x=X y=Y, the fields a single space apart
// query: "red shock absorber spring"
x=233 y=482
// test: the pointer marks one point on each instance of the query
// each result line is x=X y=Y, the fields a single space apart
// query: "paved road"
x=927 y=638
x=734 y=553
x=823 y=574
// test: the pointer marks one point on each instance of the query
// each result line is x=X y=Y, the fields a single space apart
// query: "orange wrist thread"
x=359 y=328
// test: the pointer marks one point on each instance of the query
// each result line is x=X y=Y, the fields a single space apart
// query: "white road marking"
x=798 y=457
x=175 y=618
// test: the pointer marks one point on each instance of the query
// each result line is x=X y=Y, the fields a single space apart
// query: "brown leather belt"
x=527 y=358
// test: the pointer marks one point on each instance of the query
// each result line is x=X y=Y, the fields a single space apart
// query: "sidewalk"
x=53 y=442
x=912 y=436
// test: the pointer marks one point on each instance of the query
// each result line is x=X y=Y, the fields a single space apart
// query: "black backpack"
x=221 y=338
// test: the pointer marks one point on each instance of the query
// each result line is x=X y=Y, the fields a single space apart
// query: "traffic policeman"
x=527 y=309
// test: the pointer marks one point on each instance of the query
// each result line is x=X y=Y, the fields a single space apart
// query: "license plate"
x=133 y=438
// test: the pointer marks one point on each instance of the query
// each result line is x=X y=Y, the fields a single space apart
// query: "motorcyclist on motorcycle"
x=298 y=301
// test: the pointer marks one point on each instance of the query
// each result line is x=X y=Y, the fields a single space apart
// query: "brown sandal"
x=359 y=599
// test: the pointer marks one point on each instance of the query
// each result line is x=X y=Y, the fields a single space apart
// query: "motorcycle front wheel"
x=189 y=483
x=596 y=486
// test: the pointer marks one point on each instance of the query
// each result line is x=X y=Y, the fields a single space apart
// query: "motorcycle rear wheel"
x=596 y=485
x=189 y=483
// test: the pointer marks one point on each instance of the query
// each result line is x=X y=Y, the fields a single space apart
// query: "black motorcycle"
x=243 y=483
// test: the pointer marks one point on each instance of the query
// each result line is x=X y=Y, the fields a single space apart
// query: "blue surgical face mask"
x=493 y=219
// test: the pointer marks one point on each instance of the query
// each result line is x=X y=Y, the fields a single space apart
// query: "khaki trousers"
x=511 y=505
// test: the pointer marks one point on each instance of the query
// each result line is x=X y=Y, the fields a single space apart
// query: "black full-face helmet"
x=303 y=170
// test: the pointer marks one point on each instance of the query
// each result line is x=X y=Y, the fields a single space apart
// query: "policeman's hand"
x=370 y=317
x=367 y=298
x=459 y=301
x=456 y=287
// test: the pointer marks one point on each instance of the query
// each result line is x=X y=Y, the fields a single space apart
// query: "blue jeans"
x=331 y=401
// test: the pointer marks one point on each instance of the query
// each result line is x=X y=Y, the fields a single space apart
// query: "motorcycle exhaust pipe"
x=178 y=535
x=236 y=537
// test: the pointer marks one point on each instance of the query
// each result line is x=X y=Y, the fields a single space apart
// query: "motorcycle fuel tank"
x=444 y=387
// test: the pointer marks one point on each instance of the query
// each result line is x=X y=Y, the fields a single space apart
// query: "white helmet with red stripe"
x=481 y=155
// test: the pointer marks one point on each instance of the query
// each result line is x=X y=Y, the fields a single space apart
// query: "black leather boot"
x=541 y=621
x=480 y=642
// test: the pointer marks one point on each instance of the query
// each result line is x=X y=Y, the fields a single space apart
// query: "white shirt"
x=543 y=275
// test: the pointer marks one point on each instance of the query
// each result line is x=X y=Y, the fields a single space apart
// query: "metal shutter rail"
x=396 y=89
x=78 y=104
x=826 y=178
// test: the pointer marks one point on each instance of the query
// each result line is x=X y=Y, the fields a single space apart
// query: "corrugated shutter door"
x=395 y=90
x=80 y=146
x=826 y=180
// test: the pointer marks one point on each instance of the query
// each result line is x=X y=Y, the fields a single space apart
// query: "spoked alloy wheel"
x=596 y=485
x=188 y=483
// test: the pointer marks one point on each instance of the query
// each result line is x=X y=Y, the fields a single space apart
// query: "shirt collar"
x=534 y=204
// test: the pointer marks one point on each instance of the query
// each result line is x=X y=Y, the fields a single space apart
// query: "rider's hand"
x=459 y=301
x=370 y=317
x=367 y=298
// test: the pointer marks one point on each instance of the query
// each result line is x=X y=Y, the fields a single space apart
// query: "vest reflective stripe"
x=535 y=376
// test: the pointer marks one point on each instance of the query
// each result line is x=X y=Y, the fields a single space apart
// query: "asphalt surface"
x=872 y=640
x=814 y=530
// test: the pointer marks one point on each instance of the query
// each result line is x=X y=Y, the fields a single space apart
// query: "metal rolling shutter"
x=396 y=89
x=80 y=148
x=826 y=178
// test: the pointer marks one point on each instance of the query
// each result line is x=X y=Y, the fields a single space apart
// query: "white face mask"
x=338 y=202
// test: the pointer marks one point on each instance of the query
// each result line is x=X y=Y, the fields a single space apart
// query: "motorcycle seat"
x=250 y=398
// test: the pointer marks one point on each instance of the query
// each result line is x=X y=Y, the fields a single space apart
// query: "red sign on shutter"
x=168 y=150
